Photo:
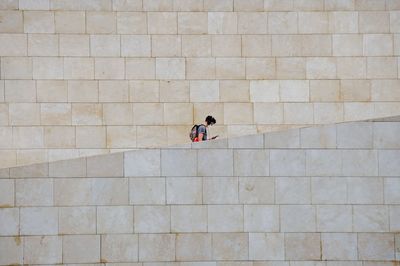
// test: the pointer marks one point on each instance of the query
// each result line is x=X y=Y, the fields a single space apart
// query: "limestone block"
x=13 y=45
x=317 y=45
x=139 y=68
x=225 y=218
x=238 y=113
x=372 y=218
x=287 y=162
x=121 y=137
x=78 y=68
x=77 y=220
x=293 y=190
x=347 y=44
x=10 y=158
x=394 y=21
x=72 y=192
x=268 y=113
x=266 y=246
x=147 y=191
x=298 y=113
x=31 y=156
x=318 y=137
x=112 y=68
x=34 y=192
x=261 y=218
x=28 y=137
x=170 y=68
x=251 y=162
x=113 y=91
x=328 y=113
x=230 y=246
x=355 y=90
x=151 y=136
x=39 y=22
x=90 y=137
x=313 y=22
x=48 y=68
x=109 y=191
x=282 y=23
x=16 y=68
x=83 y=91
x=222 y=23
x=256 y=45
x=39 y=221
x=9 y=4
x=394 y=219
x=343 y=22
x=191 y=5
x=289 y=215
x=157 y=247
x=295 y=68
x=22 y=91
x=43 y=45
x=222 y=161
x=193 y=247
x=142 y=163
x=252 y=5
x=189 y=218
x=204 y=91
x=252 y=142
x=135 y=45
x=360 y=163
x=374 y=22
x=70 y=22
x=6 y=137
x=105 y=45
x=322 y=68
x=81 y=249
x=294 y=91
x=45 y=249
x=358 y=111
x=87 y=114
x=302 y=246
x=74 y=45
x=117 y=113
x=193 y=23
x=378 y=44
x=316 y=5
x=201 y=68
x=162 y=23
x=334 y=218
x=220 y=190
x=260 y=68
x=14 y=250
x=202 y=110
x=234 y=91
x=339 y=246
x=339 y=5
x=12 y=21
x=274 y=5
x=286 y=45
x=119 y=248
x=116 y=219
x=252 y=23
x=355 y=135
x=391 y=186
x=218 y=5
x=7 y=194
x=389 y=163
x=178 y=162
x=24 y=114
x=381 y=67
x=226 y=45
x=323 y=163
x=101 y=22
x=365 y=190
x=10 y=218
x=369 y=5
x=178 y=114
x=148 y=114
x=256 y=190
x=384 y=90
x=166 y=45
x=105 y=165
x=375 y=246
x=196 y=45
x=157 y=5
x=90 y=5
x=33 y=170
x=131 y=22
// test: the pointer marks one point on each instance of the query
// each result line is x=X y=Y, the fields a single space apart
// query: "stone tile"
x=218 y=5
x=343 y=22
x=90 y=5
x=391 y=188
x=230 y=246
x=78 y=68
x=14 y=250
x=292 y=190
x=116 y=219
x=34 y=192
x=148 y=113
x=375 y=246
x=43 y=45
x=334 y=218
x=112 y=68
x=193 y=247
x=101 y=22
x=291 y=68
x=113 y=91
x=360 y=163
x=105 y=45
x=121 y=137
x=35 y=140
x=294 y=91
x=131 y=22
x=323 y=163
x=187 y=165
x=48 y=68
x=321 y=68
x=283 y=139
x=81 y=249
x=77 y=220
x=201 y=68
x=225 y=218
x=329 y=190
x=290 y=214
x=142 y=163
x=220 y=190
x=302 y=246
x=226 y=45
x=12 y=21
x=110 y=191
x=10 y=221
x=394 y=215
x=385 y=135
x=221 y=161
x=106 y=165
x=17 y=68
x=192 y=23
x=24 y=114
x=318 y=137
x=298 y=113
x=90 y=137
x=252 y=22
x=381 y=68
x=287 y=162
x=178 y=114
x=43 y=250
x=144 y=91
x=260 y=68
x=196 y=45
x=117 y=114
x=365 y=190
x=351 y=68
x=83 y=91
x=166 y=45
x=261 y=218
x=374 y=22
x=162 y=23
x=222 y=23
x=339 y=246
x=317 y=45
x=389 y=163
x=189 y=218
x=87 y=114
x=147 y=191
x=251 y=162
x=191 y=5
x=39 y=22
x=313 y=22
x=74 y=45
x=355 y=90
x=70 y=22
x=282 y=23
x=256 y=190
x=157 y=5
x=347 y=45
x=266 y=246
x=371 y=218
x=230 y=68
x=249 y=142
x=19 y=91
x=151 y=136
x=170 y=68
x=39 y=221
x=119 y=248
x=252 y=5
x=72 y=192
x=287 y=45
x=157 y=247
x=378 y=45
x=152 y=219
x=13 y=45
x=7 y=193
x=355 y=135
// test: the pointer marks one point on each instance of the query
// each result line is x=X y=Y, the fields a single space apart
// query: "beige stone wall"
x=89 y=77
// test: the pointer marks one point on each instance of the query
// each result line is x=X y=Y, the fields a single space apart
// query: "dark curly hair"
x=210 y=120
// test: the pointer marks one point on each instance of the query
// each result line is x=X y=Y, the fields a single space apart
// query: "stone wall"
x=87 y=77
x=318 y=196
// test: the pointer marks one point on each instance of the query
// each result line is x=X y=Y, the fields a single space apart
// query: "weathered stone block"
x=252 y=23
x=230 y=246
x=220 y=190
x=375 y=246
x=70 y=22
x=189 y=218
x=371 y=218
x=45 y=249
x=225 y=218
x=334 y=218
x=365 y=190
x=266 y=246
x=101 y=22
x=34 y=192
x=302 y=246
x=162 y=23
x=14 y=249
x=339 y=246
x=261 y=218
x=256 y=190
x=193 y=247
x=81 y=249
x=111 y=191
x=10 y=218
x=39 y=221
x=74 y=45
x=119 y=248
x=289 y=215
x=142 y=163
x=157 y=247
x=77 y=220
x=313 y=22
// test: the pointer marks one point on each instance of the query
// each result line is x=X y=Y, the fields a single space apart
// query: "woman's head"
x=210 y=120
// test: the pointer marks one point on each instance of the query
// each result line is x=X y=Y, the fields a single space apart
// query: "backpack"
x=194 y=132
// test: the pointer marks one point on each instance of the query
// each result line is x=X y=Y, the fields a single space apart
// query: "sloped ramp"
x=327 y=194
